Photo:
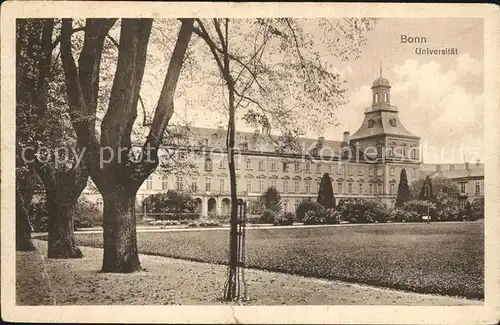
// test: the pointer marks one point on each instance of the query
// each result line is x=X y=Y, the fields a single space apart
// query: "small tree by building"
x=468 y=210
x=426 y=193
x=403 y=190
x=271 y=199
x=325 y=192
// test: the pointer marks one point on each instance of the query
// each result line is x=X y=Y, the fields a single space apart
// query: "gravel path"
x=173 y=281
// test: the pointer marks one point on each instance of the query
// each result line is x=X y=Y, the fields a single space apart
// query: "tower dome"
x=381 y=81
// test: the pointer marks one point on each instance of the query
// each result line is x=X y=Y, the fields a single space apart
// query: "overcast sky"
x=440 y=98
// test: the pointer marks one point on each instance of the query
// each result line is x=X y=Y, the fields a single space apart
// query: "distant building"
x=468 y=177
x=364 y=165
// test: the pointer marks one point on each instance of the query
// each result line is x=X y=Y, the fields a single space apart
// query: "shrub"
x=449 y=213
x=271 y=200
x=172 y=205
x=332 y=217
x=284 y=219
x=253 y=218
x=361 y=211
x=419 y=207
x=322 y=216
x=325 y=192
x=304 y=207
x=39 y=216
x=268 y=216
x=477 y=207
x=86 y=214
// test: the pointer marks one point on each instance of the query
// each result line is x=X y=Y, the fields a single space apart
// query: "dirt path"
x=172 y=281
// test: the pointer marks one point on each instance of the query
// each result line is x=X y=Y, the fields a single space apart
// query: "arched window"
x=376 y=98
x=386 y=97
x=208 y=164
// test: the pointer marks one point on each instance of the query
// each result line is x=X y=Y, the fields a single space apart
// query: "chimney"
x=467 y=165
x=478 y=163
x=346 y=137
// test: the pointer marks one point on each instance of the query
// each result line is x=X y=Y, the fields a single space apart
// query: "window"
x=237 y=162
x=339 y=188
x=308 y=186
x=297 y=166
x=248 y=164
x=329 y=168
x=318 y=168
x=379 y=189
x=261 y=186
x=194 y=184
x=452 y=167
x=380 y=171
x=222 y=163
x=180 y=183
x=463 y=188
x=340 y=170
x=370 y=171
x=371 y=123
x=164 y=183
x=297 y=186
x=222 y=186
x=318 y=183
x=376 y=97
x=149 y=182
x=99 y=204
x=349 y=188
x=208 y=184
x=285 y=186
x=478 y=187
x=285 y=167
x=360 y=170
x=249 y=186
x=392 y=171
x=404 y=152
x=414 y=153
x=462 y=204
x=208 y=164
x=349 y=170
x=204 y=142
x=390 y=152
x=308 y=167
x=261 y=165
x=393 y=122
x=386 y=97
x=360 y=188
x=273 y=183
x=370 y=188
x=244 y=146
x=273 y=166
x=392 y=189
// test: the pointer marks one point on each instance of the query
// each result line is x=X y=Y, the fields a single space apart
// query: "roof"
x=455 y=174
x=381 y=82
x=385 y=123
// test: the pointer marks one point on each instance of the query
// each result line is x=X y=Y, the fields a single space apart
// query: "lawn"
x=444 y=258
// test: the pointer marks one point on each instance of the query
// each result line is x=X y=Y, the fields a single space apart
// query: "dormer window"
x=393 y=122
x=371 y=123
x=244 y=146
x=204 y=142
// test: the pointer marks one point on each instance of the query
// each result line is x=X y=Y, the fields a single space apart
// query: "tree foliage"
x=403 y=189
x=325 y=192
x=271 y=199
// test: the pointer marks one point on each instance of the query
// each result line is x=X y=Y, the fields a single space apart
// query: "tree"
x=116 y=170
x=443 y=189
x=284 y=94
x=403 y=190
x=40 y=124
x=325 y=192
x=426 y=193
x=271 y=199
x=477 y=207
x=170 y=202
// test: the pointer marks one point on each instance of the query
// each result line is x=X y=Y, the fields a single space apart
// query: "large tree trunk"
x=62 y=188
x=120 y=240
x=23 y=227
x=62 y=242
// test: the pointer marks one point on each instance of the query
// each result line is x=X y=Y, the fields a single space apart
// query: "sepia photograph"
x=232 y=159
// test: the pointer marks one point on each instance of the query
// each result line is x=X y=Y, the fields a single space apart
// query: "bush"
x=361 y=211
x=450 y=213
x=172 y=205
x=284 y=219
x=86 y=214
x=322 y=216
x=39 y=217
x=253 y=218
x=268 y=216
x=304 y=207
x=477 y=207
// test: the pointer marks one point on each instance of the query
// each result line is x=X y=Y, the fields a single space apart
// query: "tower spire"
x=381 y=69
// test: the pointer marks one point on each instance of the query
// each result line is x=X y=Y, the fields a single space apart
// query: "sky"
x=439 y=97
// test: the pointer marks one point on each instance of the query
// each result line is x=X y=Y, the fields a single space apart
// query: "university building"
x=364 y=165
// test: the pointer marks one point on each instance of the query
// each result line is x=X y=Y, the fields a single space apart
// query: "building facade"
x=364 y=165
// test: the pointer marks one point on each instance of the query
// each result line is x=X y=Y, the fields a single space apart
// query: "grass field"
x=444 y=258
